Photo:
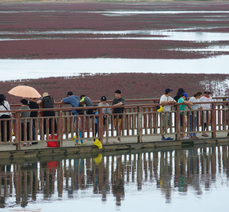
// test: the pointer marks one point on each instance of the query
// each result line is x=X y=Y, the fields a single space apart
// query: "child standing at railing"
x=95 y=111
x=183 y=122
x=105 y=111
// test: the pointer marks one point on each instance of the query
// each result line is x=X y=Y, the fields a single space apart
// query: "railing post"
x=18 y=131
x=177 y=122
x=213 y=124
x=139 y=124
x=100 y=125
x=60 y=128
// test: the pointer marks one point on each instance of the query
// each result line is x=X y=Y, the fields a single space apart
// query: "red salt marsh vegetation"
x=20 y=21
x=70 y=30
x=133 y=86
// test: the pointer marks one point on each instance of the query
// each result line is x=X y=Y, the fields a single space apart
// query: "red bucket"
x=52 y=143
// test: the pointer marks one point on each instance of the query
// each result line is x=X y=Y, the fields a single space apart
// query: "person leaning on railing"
x=193 y=116
x=183 y=121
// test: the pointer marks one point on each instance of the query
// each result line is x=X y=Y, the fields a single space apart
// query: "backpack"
x=48 y=102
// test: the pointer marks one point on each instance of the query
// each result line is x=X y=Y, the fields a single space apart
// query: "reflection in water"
x=170 y=172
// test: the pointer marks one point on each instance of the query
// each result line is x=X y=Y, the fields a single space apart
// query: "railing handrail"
x=126 y=100
x=98 y=107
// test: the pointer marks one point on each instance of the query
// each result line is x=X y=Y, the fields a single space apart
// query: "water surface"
x=154 y=180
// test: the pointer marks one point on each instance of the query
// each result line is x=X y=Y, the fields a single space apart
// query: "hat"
x=45 y=94
x=207 y=92
x=69 y=93
x=103 y=98
x=118 y=91
x=167 y=90
x=2 y=96
x=186 y=95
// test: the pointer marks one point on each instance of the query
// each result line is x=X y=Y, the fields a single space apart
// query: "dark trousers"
x=23 y=125
x=5 y=124
x=50 y=121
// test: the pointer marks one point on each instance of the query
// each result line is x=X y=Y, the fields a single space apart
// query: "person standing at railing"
x=85 y=101
x=183 y=122
x=105 y=111
x=25 y=122
x=193 y=116
x=118 y=101
x=4 y=106
x=33 y=105
x=206 y=98
x=167 y=101
x=179 y=93
x=74 y=102
x=227 y=106
x=48 y=102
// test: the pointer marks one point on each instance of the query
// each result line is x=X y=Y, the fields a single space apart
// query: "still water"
x=190 y=179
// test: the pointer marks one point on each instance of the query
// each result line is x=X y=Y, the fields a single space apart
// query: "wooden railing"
x=136 y=121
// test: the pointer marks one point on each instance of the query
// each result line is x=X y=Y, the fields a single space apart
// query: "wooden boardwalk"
x=8 y=151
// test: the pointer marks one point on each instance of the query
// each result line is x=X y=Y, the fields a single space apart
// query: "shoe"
x=169 y=138
x=163 y=139
x=205 y=135
x=83 y=143
x=196 y=137
x=185 y=138
x=77 y=144
x=117 y=142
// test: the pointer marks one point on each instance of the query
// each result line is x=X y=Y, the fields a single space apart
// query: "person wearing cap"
x=118 y=101
x=105 y=111
x=48 y=102
x=183 y=121
x=167 y=101
x=4 y=106
x=206 y=98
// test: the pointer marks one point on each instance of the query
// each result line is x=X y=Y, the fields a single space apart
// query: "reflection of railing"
x=170 y=171
x=136 y=121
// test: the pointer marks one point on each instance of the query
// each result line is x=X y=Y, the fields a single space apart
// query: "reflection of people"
x=48 y=102
x=118 y=101
x=118 y=182
x=4 y=106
